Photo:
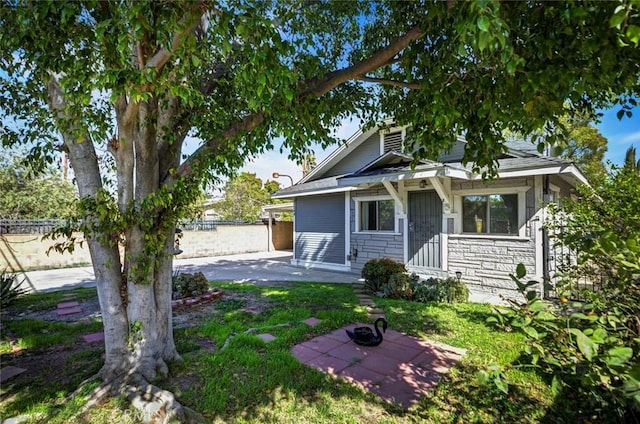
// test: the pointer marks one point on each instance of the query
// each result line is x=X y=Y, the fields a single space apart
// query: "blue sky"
x=620 y=134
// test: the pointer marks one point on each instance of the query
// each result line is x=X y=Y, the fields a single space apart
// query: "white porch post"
x=269 y=232
x=443 y=188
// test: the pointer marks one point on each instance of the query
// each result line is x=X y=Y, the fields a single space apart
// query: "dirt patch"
x=90 y=311
x=61 y=365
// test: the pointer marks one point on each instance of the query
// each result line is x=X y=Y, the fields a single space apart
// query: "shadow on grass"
x=477 y=316
x=459 y=399
x=569 y=408
x=48 y=380
x=270 y=385
x=253 y=381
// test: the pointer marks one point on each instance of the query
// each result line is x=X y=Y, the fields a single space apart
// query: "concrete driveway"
x=253 y=267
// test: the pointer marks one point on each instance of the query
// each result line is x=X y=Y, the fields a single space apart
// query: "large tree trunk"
x=137 y=326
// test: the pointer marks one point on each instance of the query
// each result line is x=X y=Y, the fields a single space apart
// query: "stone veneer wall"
x=486 y=263
x=372 y=245
x=28 y=251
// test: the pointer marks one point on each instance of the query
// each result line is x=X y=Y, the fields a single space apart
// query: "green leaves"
x=618 y=355
x=587 y=347
x=483 y=23
x=590 y=346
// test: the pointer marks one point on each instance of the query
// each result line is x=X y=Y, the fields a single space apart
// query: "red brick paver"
x=65 y=305
x=312 y=322
x=400 y=370
x=69 y=311
x=94 y=337
x=267 y=337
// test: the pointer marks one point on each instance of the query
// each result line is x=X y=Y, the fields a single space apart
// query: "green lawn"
x=250 y=381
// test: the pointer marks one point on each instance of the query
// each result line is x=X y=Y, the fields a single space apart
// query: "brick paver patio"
x=400 y=370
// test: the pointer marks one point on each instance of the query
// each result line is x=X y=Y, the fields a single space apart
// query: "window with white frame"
x=376 y=215
x=490 y=214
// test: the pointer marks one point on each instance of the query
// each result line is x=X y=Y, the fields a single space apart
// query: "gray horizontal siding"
x=455 y=154
x=365 y=153
x=319 y=228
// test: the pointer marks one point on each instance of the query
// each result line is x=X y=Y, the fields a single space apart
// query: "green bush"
x=377 y=272
x=590 y=349
x=10 y=288
x=400 y=286
x=189 y=285
x=437 y=290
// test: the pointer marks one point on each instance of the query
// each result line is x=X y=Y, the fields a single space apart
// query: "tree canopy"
x=121 y=85
x=584 y=145
x=29 y=196
x=244 y=197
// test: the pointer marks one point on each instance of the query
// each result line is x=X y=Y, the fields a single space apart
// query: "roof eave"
x=331 y=190
x=557 y=169
x=391 y=177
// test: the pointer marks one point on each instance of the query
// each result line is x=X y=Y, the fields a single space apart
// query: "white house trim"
x=545 y=170
x=320 y=265
x=522 y=210
x=392 y=191
x=359 y=200
x=314 y=192
x=347 y=229
x=354 y=141
x=390 y=130
x=443 y=188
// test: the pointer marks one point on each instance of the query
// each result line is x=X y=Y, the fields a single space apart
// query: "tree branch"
x=319 y=86
x=411 y=85
x=163 y=55
x=247 y=124
x=315 y=87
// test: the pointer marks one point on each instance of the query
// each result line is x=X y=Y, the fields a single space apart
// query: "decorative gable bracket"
x=443 y=188
x=394 y=193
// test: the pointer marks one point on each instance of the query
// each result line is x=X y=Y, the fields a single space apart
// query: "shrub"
x=400 y=286
x=590 y=350
x=377 y=272
x=10 y=288
x=189 y=285
x=437 y=290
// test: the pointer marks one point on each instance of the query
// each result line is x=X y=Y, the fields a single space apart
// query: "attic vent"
x=393 y=141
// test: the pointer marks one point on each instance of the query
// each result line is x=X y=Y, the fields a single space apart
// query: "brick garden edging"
x=210 y=296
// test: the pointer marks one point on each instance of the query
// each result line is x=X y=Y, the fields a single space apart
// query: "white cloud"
x=633 y=137
x=265 y=165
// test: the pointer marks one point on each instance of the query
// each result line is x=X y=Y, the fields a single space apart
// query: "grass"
x=253 y=382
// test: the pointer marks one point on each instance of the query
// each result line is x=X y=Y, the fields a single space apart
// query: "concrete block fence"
x=29 y=250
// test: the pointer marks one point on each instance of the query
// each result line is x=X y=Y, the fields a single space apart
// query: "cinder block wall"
x=29 y=250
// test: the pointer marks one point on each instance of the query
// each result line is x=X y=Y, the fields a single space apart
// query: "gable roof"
x=507 y=168
x=340 y=153
x=522 y=160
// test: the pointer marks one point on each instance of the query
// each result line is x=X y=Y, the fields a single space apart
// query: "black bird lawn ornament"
x=364 y=336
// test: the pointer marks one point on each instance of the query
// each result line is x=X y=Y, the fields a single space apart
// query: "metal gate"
x=425 y=228
x=559 y=260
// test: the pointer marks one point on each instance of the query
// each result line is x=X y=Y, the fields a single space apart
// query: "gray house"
x=365 y=201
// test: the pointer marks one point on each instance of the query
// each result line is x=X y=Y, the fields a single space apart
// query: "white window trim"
x=359 y=200
x=522 y=211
